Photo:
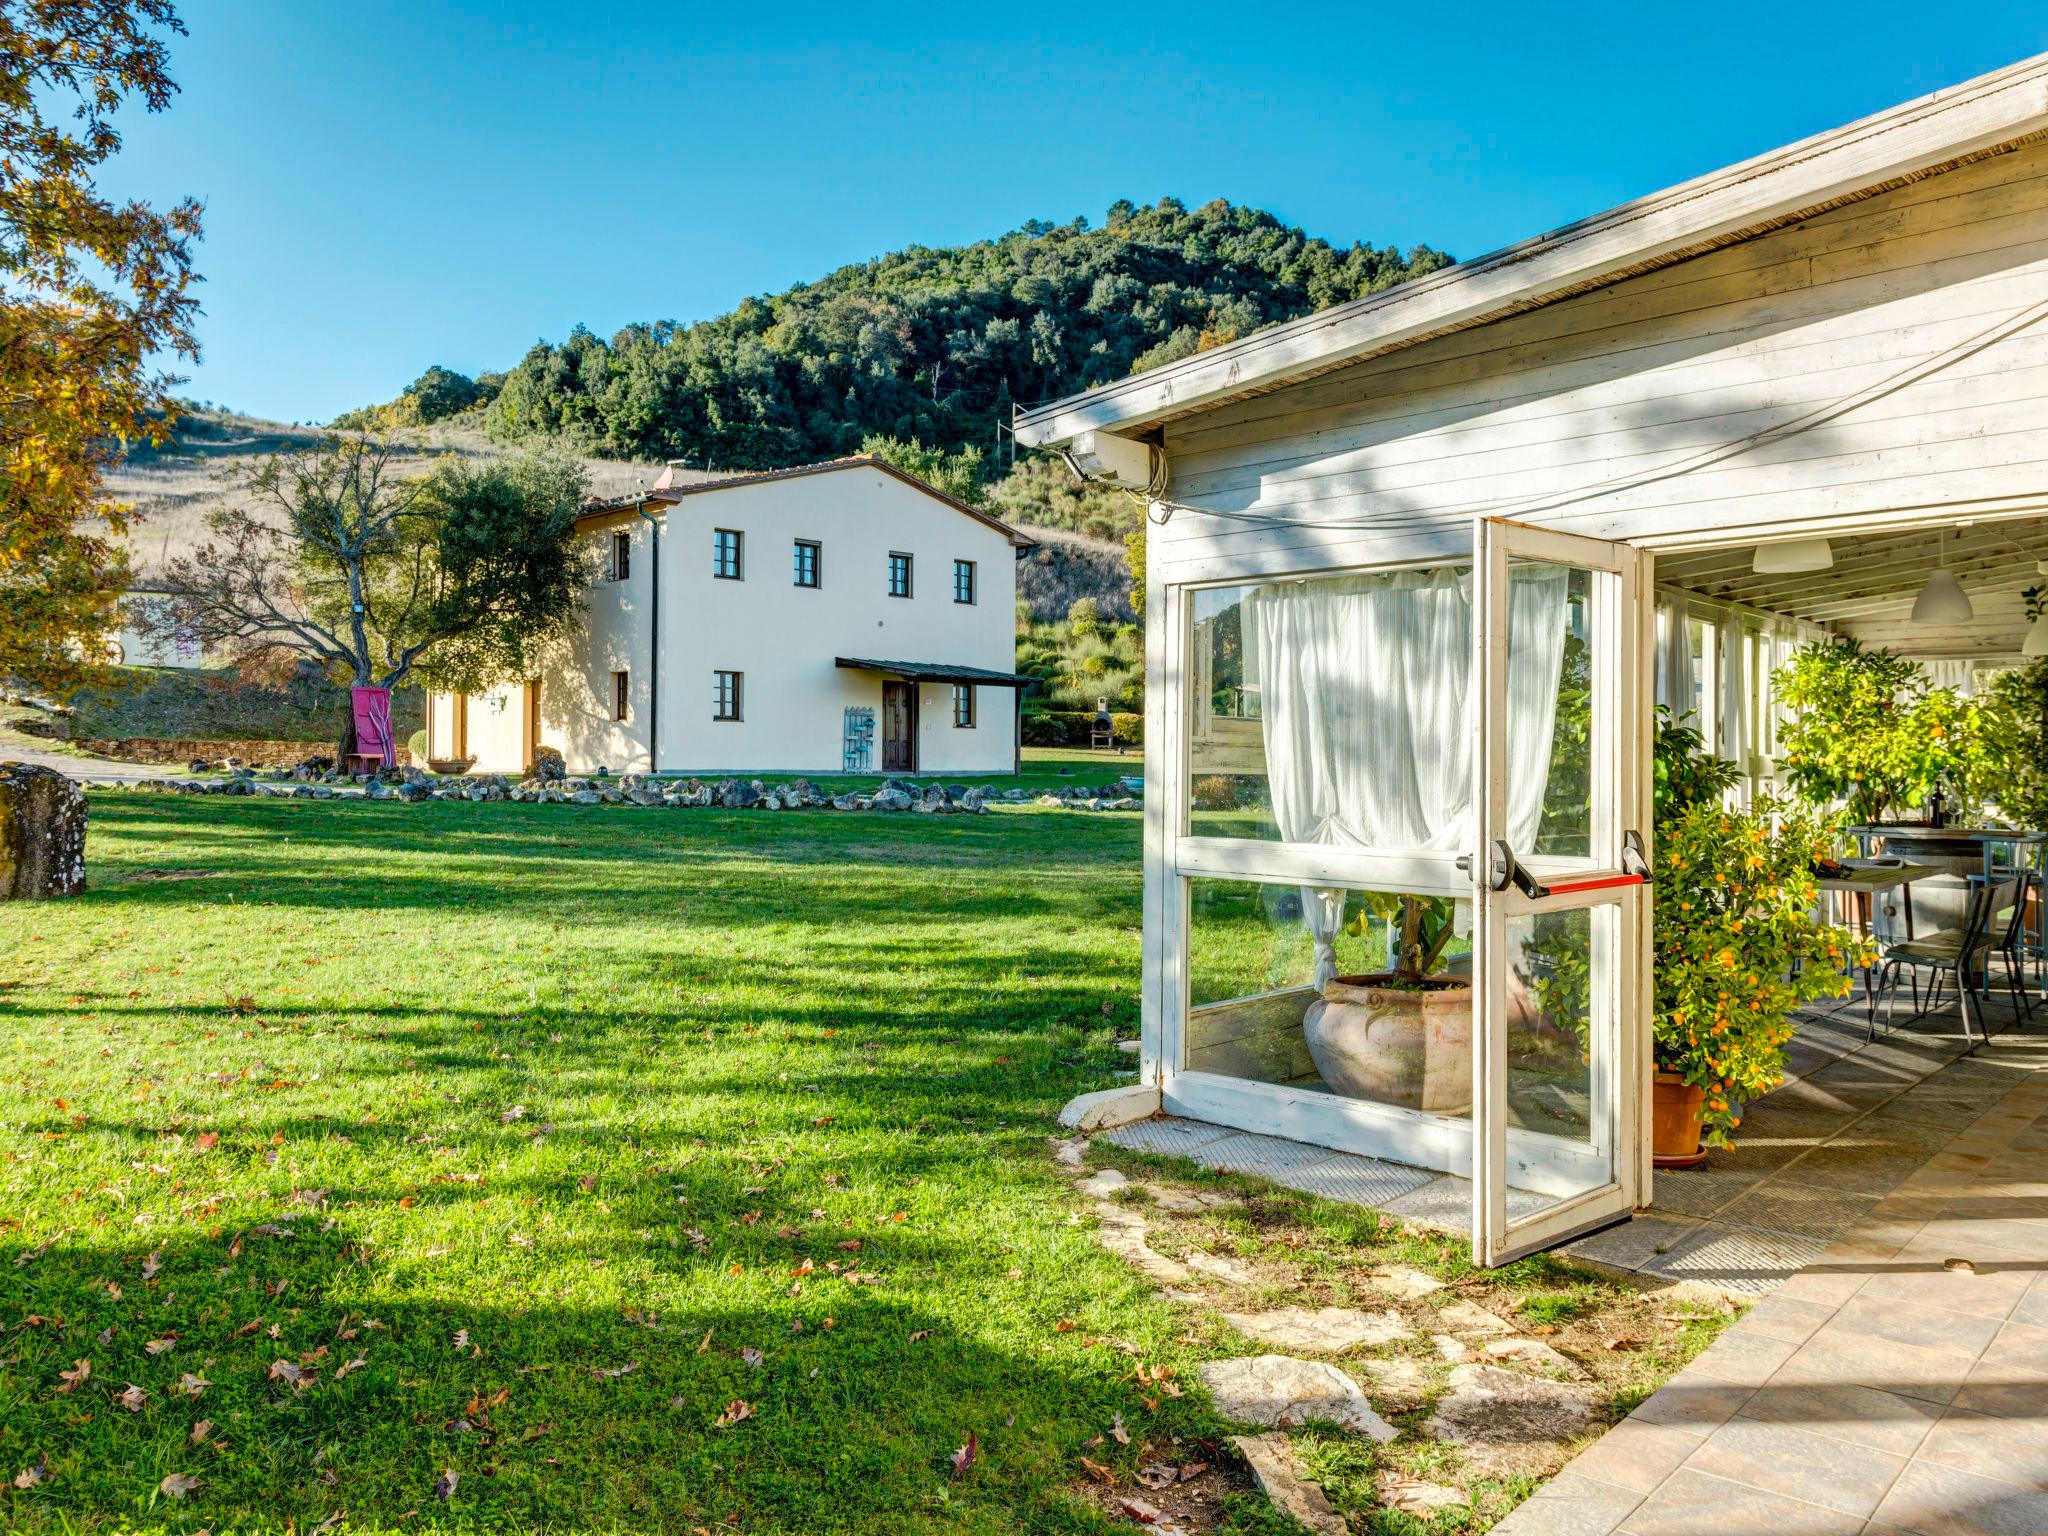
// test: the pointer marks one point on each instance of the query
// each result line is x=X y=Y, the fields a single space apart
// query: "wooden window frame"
x=909 y=573
x=817 y=553
x=718 y=554
x=622 y=554
x=622 y=696
x=966 y=568
x=964 y=718
x=728 y=695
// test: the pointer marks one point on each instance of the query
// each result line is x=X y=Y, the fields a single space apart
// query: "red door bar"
x=1605 y=882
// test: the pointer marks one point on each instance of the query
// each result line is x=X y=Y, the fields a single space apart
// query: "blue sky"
x=395 y=184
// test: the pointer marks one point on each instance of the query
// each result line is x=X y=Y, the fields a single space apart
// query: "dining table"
x=1855 y=888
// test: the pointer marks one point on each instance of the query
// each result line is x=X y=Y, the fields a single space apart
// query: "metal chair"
x=1956 y=953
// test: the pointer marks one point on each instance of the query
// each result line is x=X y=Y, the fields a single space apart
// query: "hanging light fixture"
x=1943 y=600
x=1791 y=557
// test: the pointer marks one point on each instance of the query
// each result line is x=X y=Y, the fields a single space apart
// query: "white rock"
x=1509 y=1422
x=1278 y=1390
x=1284 y=1480
x=1400 y=1377
x=1102 y=1184
x=1448 y=1347
x=1326 y=1330
x=1067 y=1151
x=1123 y=1234
x=1219 y=1267
x=1462 y=1317
x=1403 y=1283
x=1536 y=1353
x=1108 y=1107
x=1413 y=1496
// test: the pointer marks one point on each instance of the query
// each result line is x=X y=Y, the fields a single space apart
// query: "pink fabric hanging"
x=372 y=708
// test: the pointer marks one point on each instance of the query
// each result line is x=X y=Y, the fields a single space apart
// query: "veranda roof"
x=937 y=672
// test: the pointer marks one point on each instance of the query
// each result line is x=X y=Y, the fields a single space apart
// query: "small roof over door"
x=937 y=672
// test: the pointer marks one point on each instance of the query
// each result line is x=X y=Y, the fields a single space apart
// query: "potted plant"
x=1404 y=1036
x=1737 y=948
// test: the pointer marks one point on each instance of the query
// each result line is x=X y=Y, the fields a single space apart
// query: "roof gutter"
x=653 y=640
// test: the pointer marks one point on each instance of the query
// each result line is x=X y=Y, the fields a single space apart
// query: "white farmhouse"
x=836 y=617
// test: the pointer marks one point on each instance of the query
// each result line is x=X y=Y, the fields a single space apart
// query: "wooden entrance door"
x=899 y=728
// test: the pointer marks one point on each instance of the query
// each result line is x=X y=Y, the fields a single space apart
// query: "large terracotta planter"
x=1410 y=1049
x=1675 y=1115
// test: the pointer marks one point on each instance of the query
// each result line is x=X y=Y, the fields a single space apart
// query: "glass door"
x=1561 y=880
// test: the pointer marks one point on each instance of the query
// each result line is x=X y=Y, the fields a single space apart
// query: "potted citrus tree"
x=1738 y=947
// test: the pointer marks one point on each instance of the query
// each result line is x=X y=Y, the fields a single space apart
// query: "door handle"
x=1635 y=858
x=1504 y=869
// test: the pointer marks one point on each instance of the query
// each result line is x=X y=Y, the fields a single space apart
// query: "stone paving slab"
x=1895 y=1386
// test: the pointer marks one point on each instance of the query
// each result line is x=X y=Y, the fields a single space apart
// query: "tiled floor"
x=1892 y=1201
x=1896 y=1386
x=1854 y=1120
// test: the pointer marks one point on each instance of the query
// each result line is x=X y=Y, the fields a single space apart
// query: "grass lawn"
x=598 y=1169
x=1044 y=768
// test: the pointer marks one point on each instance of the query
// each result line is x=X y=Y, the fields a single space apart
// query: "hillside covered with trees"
x=928 y=344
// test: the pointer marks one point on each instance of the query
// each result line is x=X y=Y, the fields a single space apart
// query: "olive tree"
x=352 y=554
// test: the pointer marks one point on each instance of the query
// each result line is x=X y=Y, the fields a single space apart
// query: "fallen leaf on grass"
x=74 y=1377
x=350 y=1365
x=516 y=1112
x=177 y=1485
x=737 y=1409
x=190 y=1385
x=965 y=1456
x=158 y=1346
x=444 y=1485
x=1624 y=1341
x=612 y=1373
x=201 y=1430
x=1100 y=1473
x=1116 y=1428
x=1158 y=1475
x=131 y=1397
x=28 y=1477
x=151 y=1265
x=753 y=1357
x=206 y=1141
x=286 y=1370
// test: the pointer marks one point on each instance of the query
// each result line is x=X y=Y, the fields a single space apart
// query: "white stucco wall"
x=137 y=649
x=783 y=639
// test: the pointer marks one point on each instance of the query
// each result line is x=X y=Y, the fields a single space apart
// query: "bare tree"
x=346 y=555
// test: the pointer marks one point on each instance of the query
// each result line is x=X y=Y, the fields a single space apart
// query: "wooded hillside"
x=930 y=344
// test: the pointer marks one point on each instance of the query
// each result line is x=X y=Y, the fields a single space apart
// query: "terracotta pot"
x=1675 y=1114
x=1410 y=1049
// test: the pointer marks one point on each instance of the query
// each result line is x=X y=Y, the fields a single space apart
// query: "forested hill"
x=931 y=344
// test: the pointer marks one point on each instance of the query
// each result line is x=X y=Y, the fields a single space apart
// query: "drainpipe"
x=653 y=641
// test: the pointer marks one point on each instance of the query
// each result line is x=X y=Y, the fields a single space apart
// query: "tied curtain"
x=1365 y=685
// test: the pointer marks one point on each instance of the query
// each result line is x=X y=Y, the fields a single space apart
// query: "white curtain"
x=1959 y=675
x=1674 y=655
x=1734 y=722
x=1365 y=684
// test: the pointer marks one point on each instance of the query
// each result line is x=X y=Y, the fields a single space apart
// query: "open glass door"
x=1561 y=941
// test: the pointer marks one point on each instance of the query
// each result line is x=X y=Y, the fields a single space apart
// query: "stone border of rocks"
x=410 y=785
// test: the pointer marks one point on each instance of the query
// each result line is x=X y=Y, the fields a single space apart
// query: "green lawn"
x=613 y=1097
x=540 y=1138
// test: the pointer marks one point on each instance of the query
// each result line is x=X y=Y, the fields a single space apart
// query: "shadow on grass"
x=555 y=1416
